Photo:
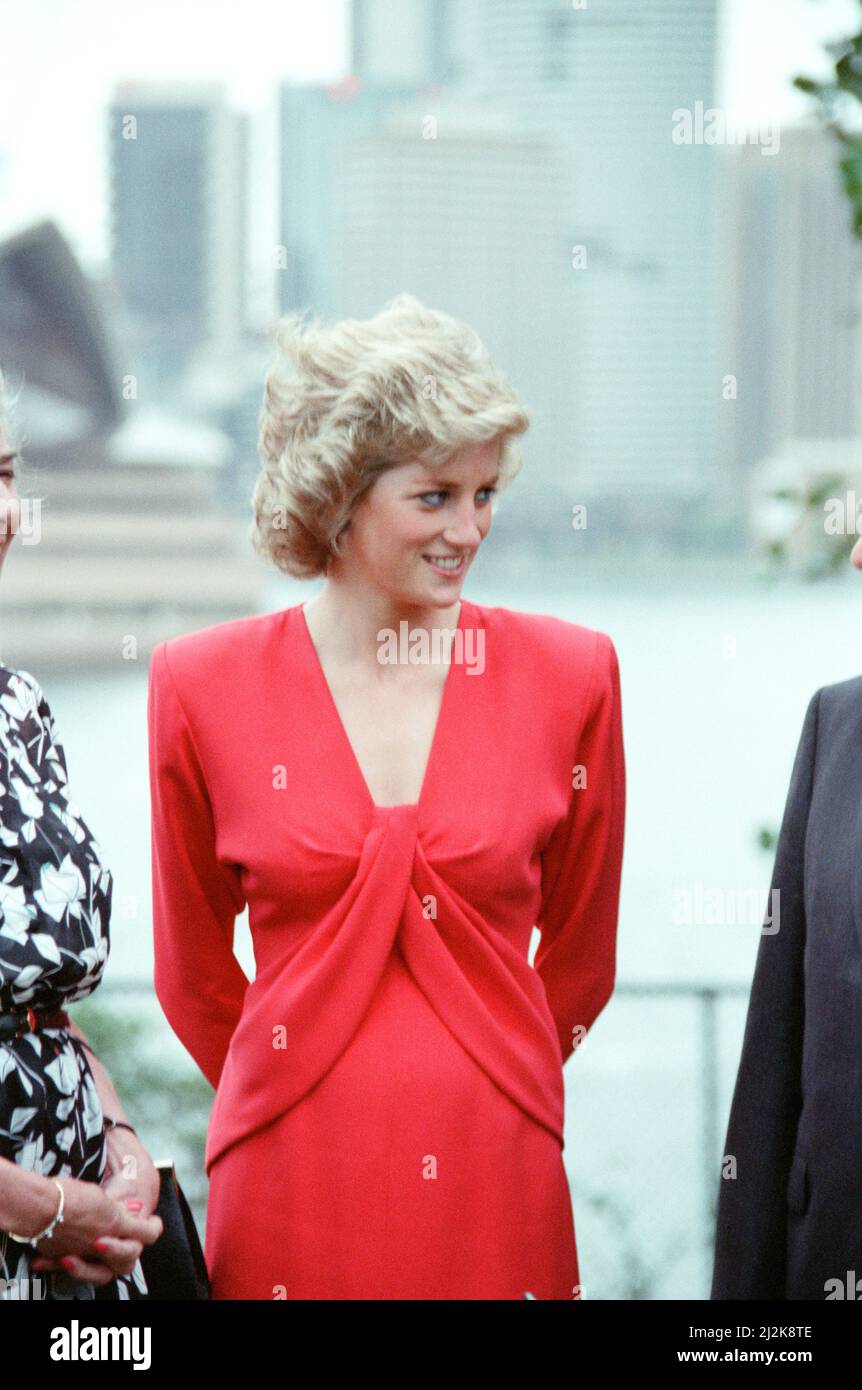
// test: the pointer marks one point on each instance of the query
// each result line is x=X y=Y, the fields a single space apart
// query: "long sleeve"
x=582 y=865
x=750 y=1241
x=196 y=898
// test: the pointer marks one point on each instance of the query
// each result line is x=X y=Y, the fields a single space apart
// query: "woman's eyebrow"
x=446 y=482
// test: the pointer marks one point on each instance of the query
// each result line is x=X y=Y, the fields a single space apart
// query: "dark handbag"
x=174 y=1265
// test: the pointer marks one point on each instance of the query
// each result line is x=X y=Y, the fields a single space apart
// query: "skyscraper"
x=794 y=296
x=178 y=205
x=318 y=126
x=461 y=208
x=641 y=228
x=414 y=41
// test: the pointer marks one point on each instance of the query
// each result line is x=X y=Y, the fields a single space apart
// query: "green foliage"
x=766 y=838
x=825 y=552
x=169 y=1108
x=828 y=554
x=836 y=99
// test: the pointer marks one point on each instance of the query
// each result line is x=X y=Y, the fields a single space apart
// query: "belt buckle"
x=25 y=1022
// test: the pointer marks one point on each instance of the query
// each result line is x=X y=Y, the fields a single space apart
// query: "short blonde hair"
x=410 y=384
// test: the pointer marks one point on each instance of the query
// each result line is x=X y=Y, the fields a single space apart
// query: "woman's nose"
x=465 y=531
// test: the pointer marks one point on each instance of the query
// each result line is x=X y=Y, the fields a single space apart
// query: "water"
x=715 y=683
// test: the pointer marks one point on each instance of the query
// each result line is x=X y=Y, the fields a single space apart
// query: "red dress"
x=388 y=1119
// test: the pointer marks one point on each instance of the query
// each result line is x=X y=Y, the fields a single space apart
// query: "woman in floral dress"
x=56 y=1153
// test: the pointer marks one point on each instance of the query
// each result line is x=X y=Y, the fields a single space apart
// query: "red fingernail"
x=67 y=1262
x=132 y=1205
x=101 y=1244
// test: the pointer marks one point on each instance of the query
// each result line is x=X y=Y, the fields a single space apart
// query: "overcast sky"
x=62 y=58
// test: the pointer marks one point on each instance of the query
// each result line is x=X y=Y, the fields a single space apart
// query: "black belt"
x=17 y=1022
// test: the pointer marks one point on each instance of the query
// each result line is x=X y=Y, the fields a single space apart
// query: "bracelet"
x=118 y=1124
x=31 y=1240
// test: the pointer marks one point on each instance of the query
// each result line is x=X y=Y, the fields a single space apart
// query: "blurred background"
x=651 y=214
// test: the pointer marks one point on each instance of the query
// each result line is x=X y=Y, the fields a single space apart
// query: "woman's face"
x=412 y=516
x=10 y=506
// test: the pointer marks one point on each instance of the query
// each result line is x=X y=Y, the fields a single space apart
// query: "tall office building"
x=318 y=126
x=465 y=214
x=794 y=290
x=578 y=229
x=401 y=49
x=641 y=222
x=178 y=158
x=414 y=41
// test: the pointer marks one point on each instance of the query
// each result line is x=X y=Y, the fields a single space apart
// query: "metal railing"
x=707 y=1000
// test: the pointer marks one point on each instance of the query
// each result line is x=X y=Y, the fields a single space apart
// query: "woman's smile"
x=450 y=566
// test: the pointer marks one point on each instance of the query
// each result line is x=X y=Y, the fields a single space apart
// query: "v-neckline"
x=330 y=699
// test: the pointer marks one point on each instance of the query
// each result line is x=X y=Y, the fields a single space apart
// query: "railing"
x=707 y=998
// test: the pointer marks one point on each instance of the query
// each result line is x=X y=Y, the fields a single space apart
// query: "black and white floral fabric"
x=55 y=905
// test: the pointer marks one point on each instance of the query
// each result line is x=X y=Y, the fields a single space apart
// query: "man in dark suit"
x=790 y=1197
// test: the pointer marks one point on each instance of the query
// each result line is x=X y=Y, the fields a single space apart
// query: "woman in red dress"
x=400 y=783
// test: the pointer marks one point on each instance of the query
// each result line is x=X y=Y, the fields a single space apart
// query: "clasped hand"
x=106 y=1225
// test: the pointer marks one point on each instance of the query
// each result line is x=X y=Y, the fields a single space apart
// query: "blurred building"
x=793 y=289
x=459 y=204
x=318 y=125
x=514 y=164
x=125 y=538
x=602 y=82
x=414 y=41
x=403 y=51
x=56 y=340
x=178 y=200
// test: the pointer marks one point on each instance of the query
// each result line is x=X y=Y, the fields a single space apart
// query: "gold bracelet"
x=49 y=1229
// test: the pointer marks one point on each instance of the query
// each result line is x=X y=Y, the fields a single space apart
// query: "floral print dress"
x=55 y=903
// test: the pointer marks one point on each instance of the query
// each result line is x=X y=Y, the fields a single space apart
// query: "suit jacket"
x=790 y=1221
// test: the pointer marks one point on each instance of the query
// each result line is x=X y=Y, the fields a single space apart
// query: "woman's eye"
x=425 y=496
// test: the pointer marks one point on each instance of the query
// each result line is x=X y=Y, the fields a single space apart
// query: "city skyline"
x=756 y=59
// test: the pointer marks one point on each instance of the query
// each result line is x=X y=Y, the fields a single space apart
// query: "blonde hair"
x=366 y=395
